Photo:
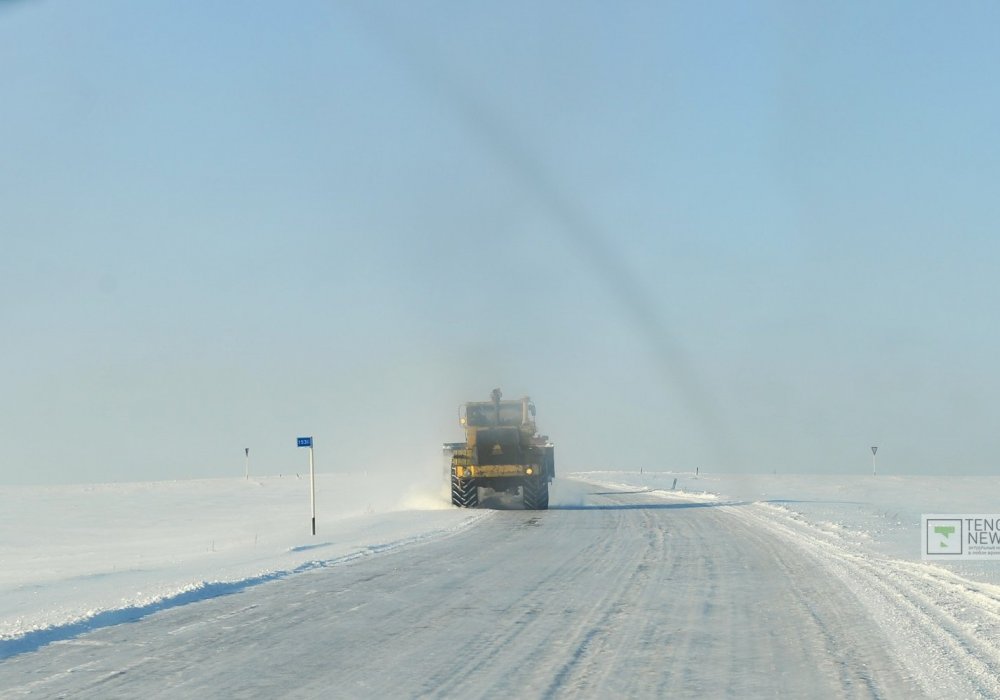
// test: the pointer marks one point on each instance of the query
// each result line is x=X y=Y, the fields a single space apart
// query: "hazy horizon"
x=718 y=237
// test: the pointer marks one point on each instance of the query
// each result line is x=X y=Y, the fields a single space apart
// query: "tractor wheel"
x=464 y=493
x=536 y=494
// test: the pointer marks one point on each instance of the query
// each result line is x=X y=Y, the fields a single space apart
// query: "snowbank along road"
x=609 y=593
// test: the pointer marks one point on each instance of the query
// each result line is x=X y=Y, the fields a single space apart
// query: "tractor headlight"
x=529 y=471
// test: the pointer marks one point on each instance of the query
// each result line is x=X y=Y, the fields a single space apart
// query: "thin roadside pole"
x=312 y=488
x=308 y=442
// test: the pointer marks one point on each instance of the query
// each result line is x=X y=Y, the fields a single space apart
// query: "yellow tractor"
x=502 y=451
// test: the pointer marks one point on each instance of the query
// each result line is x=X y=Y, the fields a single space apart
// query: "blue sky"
x=738 y=237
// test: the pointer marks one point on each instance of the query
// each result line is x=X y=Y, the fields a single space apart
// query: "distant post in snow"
x=874 y=450
x=247 y=450
x=308 y=442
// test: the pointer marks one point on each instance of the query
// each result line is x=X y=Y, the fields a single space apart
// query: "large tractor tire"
x=464 y=493
x=536 y=494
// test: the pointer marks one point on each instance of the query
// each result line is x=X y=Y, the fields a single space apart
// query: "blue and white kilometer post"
x=308 y=442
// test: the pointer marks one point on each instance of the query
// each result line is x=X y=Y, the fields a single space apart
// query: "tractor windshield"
x=485 y=414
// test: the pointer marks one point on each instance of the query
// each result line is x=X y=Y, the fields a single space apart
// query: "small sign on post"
x=874 y=450
x=308 y=442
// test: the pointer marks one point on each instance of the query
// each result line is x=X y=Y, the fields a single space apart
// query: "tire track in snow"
x=606 y=633
x=936 y=627
x=619 y=596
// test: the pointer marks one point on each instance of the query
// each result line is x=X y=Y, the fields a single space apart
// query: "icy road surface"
x=611 y=594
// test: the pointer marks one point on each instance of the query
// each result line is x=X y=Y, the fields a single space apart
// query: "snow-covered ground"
x=942 y=619
x=80 y=557
x=98 y=554
x=738 y=572
x=879 y=515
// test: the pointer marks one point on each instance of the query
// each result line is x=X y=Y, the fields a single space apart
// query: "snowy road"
x=611 y=594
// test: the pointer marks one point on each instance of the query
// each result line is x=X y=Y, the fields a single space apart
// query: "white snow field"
x=767 y=586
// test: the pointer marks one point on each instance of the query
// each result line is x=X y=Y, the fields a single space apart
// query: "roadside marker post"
x=308 y=442
x=247 y=450
x=874 y=450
